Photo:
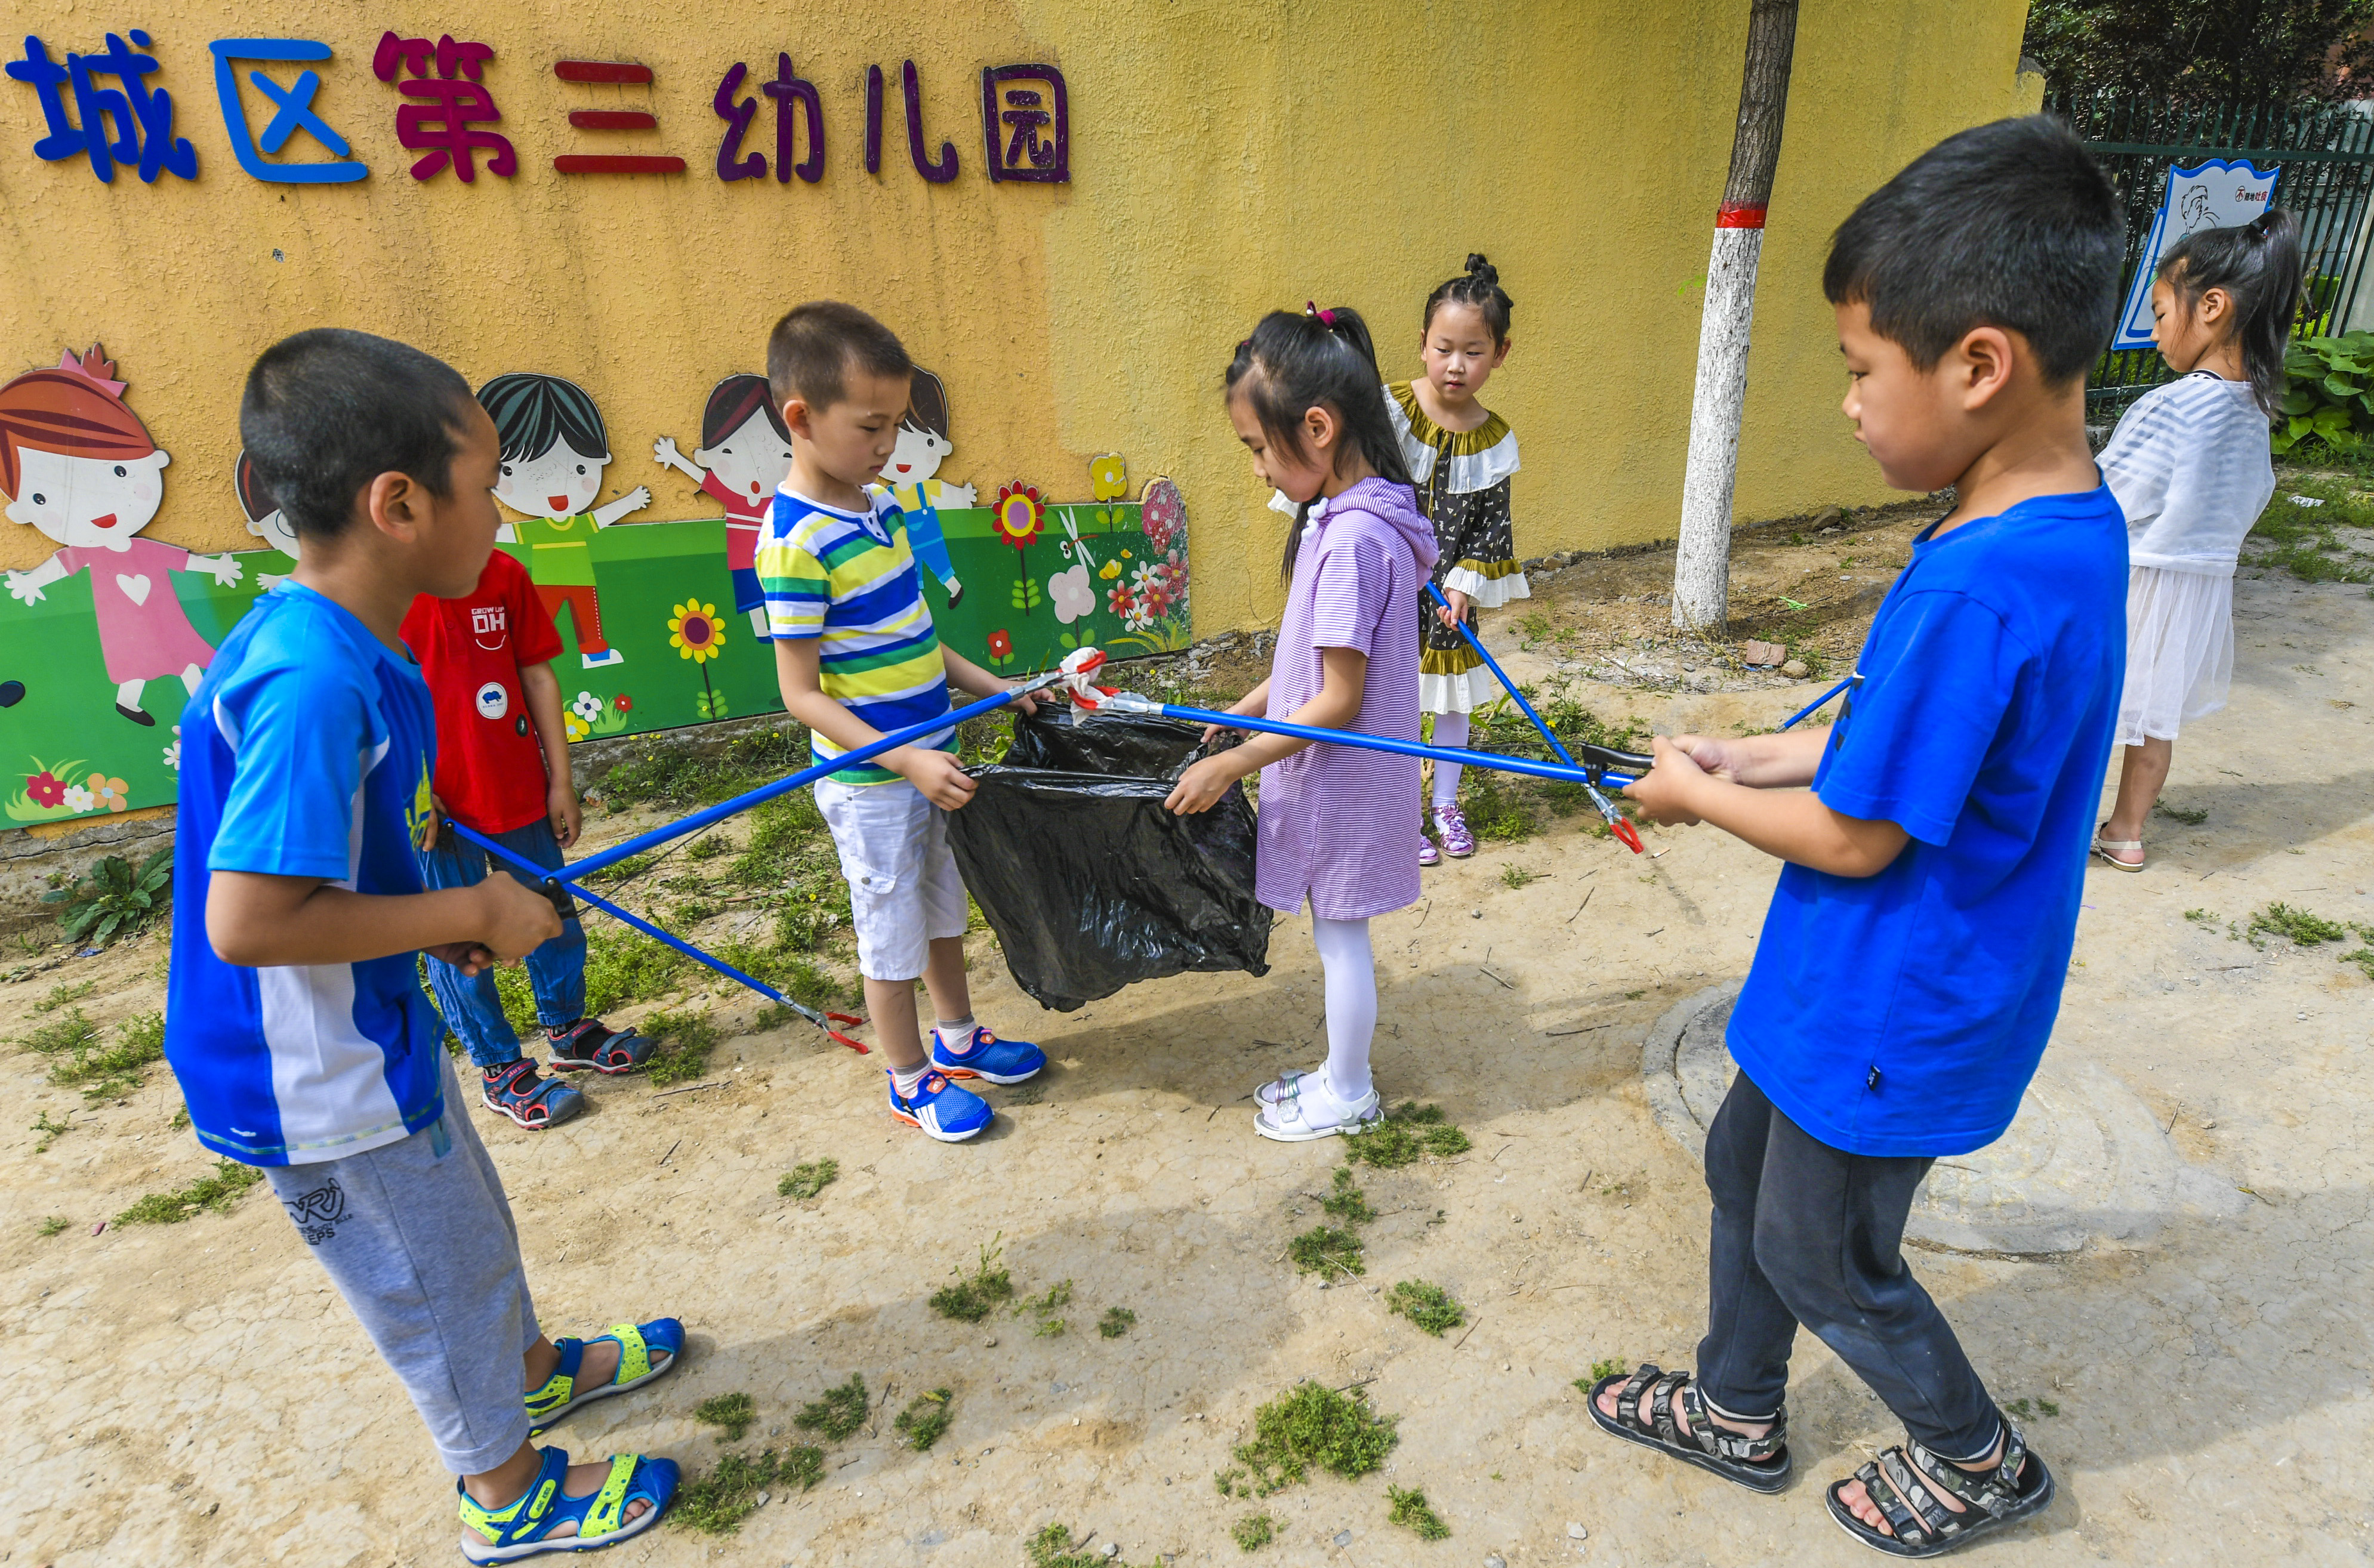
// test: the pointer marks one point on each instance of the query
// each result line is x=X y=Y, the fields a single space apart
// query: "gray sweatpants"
x=418 y=1237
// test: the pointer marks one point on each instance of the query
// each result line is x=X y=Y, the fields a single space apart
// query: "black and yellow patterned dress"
x=1462 y=487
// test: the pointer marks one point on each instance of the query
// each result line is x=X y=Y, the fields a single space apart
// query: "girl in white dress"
x=2190 y=465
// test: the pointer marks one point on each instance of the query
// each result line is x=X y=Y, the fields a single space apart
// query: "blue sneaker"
x=986 y=1057
x=945 y=1112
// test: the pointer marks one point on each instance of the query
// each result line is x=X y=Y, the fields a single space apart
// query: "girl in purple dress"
x=1306 y=399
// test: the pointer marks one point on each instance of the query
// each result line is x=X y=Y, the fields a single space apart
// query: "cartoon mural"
x=78 y=464
x=265 y=520
x=922 y=446
x=555 y=447
x=744 y=454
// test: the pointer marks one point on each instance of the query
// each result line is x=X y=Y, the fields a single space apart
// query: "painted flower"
x=1108 y=477
x=44 y=789
x=623 y=703
x=1119 y=597
x=586 y=705
x=108 y=793
x=1161 y=514
x=1001 y=645
x=1110 y=570
x=1020 y=515
x=694 y=632
x=1146 y=581
x=173 y=750
x=578 y=728
x=78 y=799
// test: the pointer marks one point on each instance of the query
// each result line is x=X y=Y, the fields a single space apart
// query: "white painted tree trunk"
x=1702 y=561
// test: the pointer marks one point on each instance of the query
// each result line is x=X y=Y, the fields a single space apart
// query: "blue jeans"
x=473 y=1008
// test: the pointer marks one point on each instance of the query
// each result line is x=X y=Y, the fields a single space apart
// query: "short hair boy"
x=1912 y=964
x=503 y=770
x=294 y=1018
x=858 y=657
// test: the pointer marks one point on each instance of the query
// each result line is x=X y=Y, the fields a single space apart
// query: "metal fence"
x=2326 y=152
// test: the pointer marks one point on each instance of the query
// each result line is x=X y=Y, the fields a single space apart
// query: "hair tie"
x=1327 y=318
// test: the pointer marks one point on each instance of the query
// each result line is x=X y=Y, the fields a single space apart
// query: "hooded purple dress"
x=1337 y=824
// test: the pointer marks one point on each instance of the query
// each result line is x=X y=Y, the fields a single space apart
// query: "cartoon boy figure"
x=265 y=519
x=923 y=444
x=555 y=447
x=744 y=453
x=78 y=464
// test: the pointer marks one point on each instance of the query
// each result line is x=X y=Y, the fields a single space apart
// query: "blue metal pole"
x=1790 y=722
x=1129 y=703
x=1501 y=675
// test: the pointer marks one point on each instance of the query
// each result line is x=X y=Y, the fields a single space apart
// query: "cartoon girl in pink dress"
x=744 y=453
x=77 y=464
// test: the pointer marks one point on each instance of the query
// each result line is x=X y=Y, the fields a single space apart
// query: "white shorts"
x=904 y=892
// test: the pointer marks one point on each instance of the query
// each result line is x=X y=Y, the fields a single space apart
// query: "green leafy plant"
x=1513 y=877
x=924 y=1418
x=114 y=898
x=806 y=1180
x=975 y=1297
x=1311 y=1425
x=686 y=1037
x=620 y=969
x=841 y=1412
x=732 y=1412
x=101 y=1071
x=50 y=1131
x=2296 y=925
x=216 y=1191
x=2202 y=916
x=61 y=994
x=54 y=1225
x=1253 y=1531
x=1117 y=1321
x=1402 y=1134
x=626 y=869
x=1347 y=1202
x=729 y=1491
x=1599 y=1369
x=1408 y=1509
x=1044 y=1306
x=2328 y=391
x=1053 y=1548
x=1323 y=1248
x=1428 y=1306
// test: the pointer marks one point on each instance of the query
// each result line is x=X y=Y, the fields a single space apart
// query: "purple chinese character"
x=1026 y=123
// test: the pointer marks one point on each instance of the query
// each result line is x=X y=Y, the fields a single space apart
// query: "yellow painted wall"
x=1227 y=157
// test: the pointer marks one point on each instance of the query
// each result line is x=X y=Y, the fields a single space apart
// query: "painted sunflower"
x=694 y=632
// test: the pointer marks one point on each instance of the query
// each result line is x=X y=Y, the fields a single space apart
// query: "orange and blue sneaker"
x=983 y=1056
x=944 y=1113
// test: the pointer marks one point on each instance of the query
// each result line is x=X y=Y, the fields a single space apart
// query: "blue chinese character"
x=292 y=111
x=142 y=117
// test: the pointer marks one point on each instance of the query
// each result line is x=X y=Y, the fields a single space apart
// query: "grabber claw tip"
x=1625 y=831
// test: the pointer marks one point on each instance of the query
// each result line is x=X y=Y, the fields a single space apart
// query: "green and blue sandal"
x=524 y=1528
x=646 y=1351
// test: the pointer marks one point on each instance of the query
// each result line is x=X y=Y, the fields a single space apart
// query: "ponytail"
x=1479 y=286
x=2258 y=264
x=1318 y=360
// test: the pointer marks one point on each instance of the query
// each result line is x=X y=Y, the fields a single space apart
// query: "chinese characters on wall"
x=102 y=108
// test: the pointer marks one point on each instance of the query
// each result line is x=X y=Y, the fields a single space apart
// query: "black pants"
x=1808 y=1233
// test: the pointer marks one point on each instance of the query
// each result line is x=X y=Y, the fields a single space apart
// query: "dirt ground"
x=195 y=1394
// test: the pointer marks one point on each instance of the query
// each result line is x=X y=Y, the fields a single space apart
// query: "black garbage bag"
x=1089 y=885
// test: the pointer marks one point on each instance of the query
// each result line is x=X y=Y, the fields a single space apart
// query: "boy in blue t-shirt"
x=295 y=1018
x=1910 y=966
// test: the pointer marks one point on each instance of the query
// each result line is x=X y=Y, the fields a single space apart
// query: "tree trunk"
x=1702 y=562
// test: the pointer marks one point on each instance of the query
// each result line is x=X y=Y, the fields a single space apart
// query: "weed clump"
x=1323 y=1247
x=216 y=1191
x=1402 y=1134
x=620 y=969
x=1045 y=1306
x=1515 y=876
x=926 y=1417
x=732 y=1412
x=840 y=1412
x=1117 y=1321
x=718 y=1502
x=806 y=1180
x=1253 y=1531
x=1053 y=1548
x=1409 y=1510
x=972 y=1299
x=1599 y=1369
x=1428 y=1306
x=78 y=1059
x=50 y=1131
x=1312 y=1426
x=54 y=1225
x=2296 y=925
x=686 y=1038
x=1347 y=1202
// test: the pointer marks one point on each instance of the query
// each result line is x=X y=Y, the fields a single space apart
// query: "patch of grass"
x=1408 y=1509
x=2203 y=917
x=50 y=1132
x=1311 y=1426
x=1324 y=1247
x=669 y=773
x=692 y=912
x=216 y=1191
x=708 y=847
x=972 y=1299
x=1117 y=1321
x=2363 y=958
x=1347 y=1202
x=62 y=995
x=52 y=1226
x=2296 y=925
x=516 y=990
x=626 y=869
x=785 y=833
x=686 y=1037
x=926 y=1417
x=841 y=1412
x=1608 y=1367
x=809 y=1178
x=2020 y=1408
x=67 y=1033
x=2190 y=816
x=115 y=899
x=1402 y=1134
x=105 y=1072
x=2300 y=539
x=1496 y=810
x=1053 y=1548
x=1428 y=1306
x=620 y=969
x=732 y=1412
x=1253 y=1531
x=1044 y=1306
x=728 y=1493
x=1513 y=877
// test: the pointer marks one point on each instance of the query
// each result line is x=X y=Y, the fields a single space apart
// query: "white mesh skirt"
x=2180 y=650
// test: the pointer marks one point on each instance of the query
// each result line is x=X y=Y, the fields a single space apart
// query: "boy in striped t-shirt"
x=858 y=657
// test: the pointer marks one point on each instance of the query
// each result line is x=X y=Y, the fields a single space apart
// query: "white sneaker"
x=1310 y=1110
x=1279 y=1090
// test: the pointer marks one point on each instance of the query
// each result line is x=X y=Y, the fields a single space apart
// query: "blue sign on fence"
x=2220 y=194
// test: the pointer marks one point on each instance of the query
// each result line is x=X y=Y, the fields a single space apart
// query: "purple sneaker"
x=1428 y=854
x=1451 y=828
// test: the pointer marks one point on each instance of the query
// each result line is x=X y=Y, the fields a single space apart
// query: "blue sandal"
x=524 y=1528
x=646 y=1351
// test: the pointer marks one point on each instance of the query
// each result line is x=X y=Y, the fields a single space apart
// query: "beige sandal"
x=2103 y=847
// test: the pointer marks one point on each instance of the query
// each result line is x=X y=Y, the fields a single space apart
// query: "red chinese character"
x=451 y=102
x=619 y=73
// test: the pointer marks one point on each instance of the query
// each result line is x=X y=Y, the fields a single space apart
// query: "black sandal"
x=1904 y=1482
x=590 y=1043
x=1760 y=1464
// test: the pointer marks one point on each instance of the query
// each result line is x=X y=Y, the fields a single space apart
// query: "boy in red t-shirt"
x=503 y=770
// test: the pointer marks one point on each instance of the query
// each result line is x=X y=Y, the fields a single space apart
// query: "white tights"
x=1450 y=729
x=1351 y=972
